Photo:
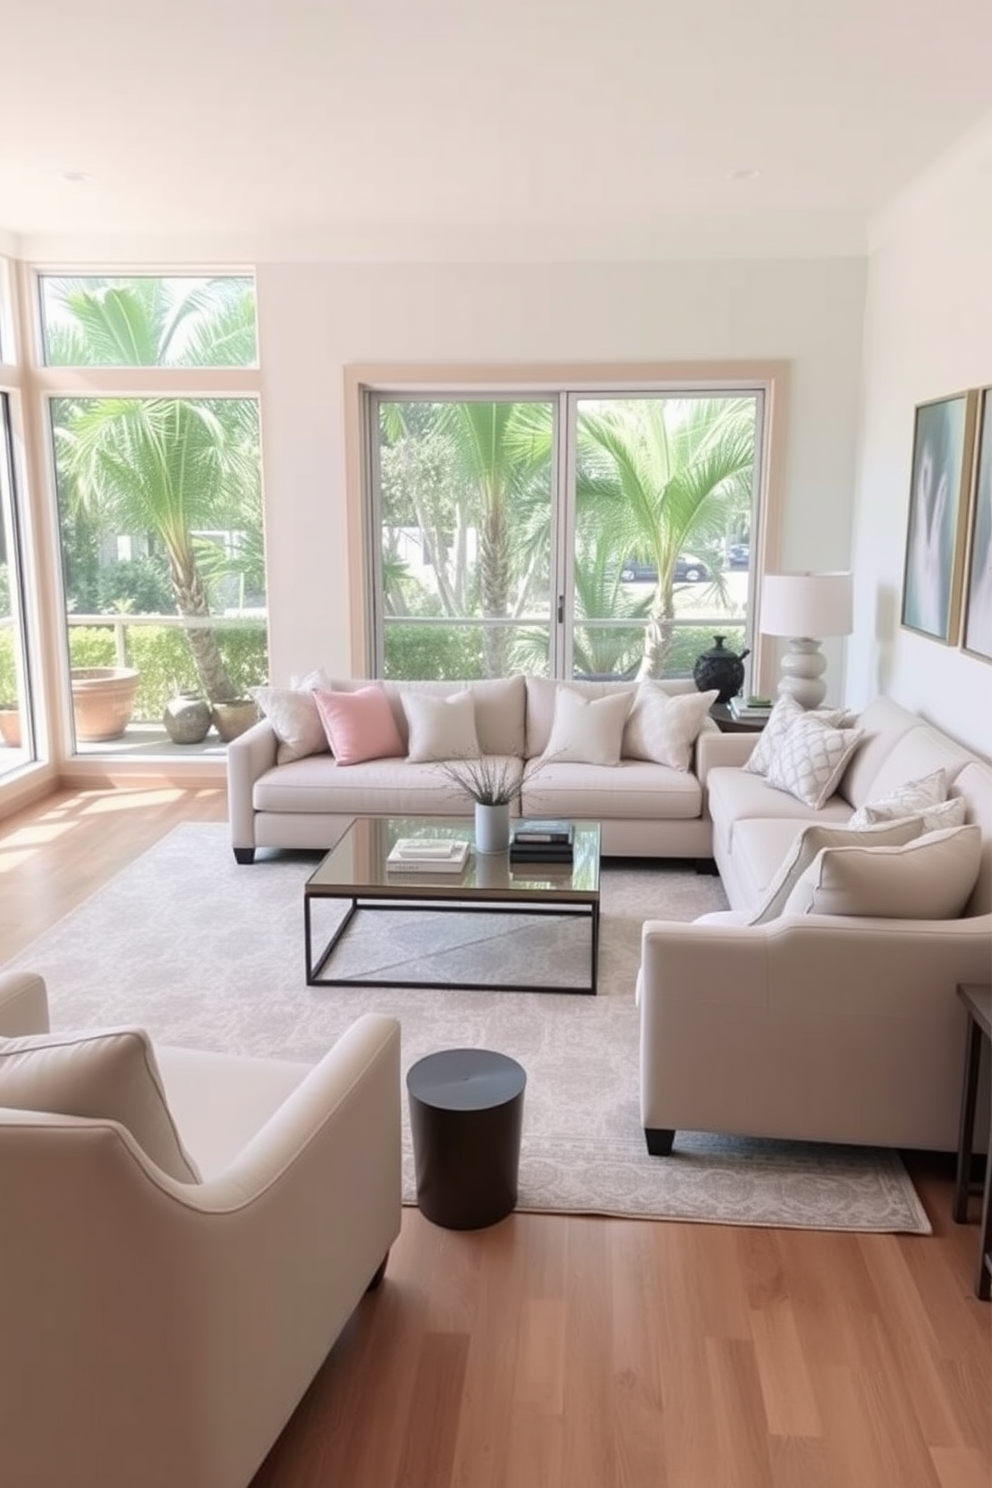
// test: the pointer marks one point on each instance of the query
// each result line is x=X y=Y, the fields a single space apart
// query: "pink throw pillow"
x=359 y=725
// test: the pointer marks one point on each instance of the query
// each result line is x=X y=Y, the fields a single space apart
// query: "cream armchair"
x=160 y=1332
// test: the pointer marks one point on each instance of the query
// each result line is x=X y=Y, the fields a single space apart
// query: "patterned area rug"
x=208 y=954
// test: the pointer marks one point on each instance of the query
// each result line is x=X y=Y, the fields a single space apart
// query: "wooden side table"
x=728 y=724
x=978 y=1002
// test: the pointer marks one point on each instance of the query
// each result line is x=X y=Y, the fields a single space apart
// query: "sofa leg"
x=244 y=855
x=380 y=1272
x=660 y=1140
x=708 y=866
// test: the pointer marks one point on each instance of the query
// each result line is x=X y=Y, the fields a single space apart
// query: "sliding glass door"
x=578 y=534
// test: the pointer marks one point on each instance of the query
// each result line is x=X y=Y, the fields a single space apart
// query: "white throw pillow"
x=441 y=728
x=588 y=731
x=810 y=840
x=810 y=759
x=663 y=726
x=949 y=813
x=783 y=715
x=293 y=715
x=915 y=797
x=110 y=1074
x=929 y=879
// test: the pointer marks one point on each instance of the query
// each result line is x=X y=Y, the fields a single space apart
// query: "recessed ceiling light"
x=744 y=173
x=75 y=177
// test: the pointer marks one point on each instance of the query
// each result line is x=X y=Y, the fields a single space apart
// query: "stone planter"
x=235 y=717
x=102 y=701
x=187 y=718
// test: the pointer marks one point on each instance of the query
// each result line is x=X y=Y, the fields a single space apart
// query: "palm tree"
x=162 y=465
x=656 y=475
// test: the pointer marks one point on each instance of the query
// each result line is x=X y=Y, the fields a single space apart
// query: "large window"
x=586 y=534
x=159 y=494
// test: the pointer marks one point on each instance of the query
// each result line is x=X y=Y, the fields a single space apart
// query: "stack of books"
x=539 y=841
x=428 y=855
x=750 y=709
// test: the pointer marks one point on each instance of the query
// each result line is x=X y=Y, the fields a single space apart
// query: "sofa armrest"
x=23 y=1004
x=248 y=757
x=714 y=748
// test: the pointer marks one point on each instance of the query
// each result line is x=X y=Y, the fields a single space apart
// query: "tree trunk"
x=191 y=601
x=494 y=584
x=658 y=637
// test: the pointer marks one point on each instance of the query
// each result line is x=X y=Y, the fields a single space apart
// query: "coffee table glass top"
x=358 y=862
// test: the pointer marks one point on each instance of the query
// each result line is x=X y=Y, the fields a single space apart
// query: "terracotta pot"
x=10 y=727
x=234 y=717
x=102 y=701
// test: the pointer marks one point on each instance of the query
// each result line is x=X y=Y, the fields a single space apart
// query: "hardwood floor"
x=552 y=1352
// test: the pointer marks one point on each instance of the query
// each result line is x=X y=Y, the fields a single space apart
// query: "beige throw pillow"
x=810 y=759
x=930 y=878
x=293 y=715
x=663 y=726
x=111 y=1075
x=441 y=728
x=811 y=840
x=588 y=731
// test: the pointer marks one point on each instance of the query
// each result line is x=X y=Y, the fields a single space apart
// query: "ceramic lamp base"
x=802 y=669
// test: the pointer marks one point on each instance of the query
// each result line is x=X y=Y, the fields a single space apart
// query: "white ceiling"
x=396 y=128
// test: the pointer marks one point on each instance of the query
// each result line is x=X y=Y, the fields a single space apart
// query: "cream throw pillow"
x=293 y=715
x=810 y=759
x=441 y=728
x=588 y=731
x=929 y=879
x=663 y=726
x=810 y=840
x=111 y=1075
x=916 y=796
x=783 y=715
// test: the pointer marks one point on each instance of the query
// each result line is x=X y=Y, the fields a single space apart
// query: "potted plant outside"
x=10 y=724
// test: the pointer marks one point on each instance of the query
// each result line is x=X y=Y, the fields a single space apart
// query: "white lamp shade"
x=807 y=604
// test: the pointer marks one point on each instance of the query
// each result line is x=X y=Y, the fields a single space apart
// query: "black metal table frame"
x=369 y=900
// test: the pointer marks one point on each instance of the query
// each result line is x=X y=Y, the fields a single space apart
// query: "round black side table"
x=466 y=1116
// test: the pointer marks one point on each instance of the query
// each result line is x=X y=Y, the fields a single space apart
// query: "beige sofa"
x=646 y=809
x=821 y=1027
x=161 y=1332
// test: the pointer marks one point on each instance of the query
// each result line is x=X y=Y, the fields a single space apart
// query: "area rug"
x=209 y=954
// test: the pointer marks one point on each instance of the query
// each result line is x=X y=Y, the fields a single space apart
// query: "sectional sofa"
x=836 y=1018
x=280 y=798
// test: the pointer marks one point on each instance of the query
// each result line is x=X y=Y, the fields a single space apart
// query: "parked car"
x=739 y=555
x=687 y=570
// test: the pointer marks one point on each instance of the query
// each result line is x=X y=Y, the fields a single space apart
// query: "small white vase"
x=492 y=828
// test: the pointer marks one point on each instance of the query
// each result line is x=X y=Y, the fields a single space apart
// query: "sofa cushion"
x=810 y=759
x=386 y=787
x=735 y=796
x=784 y=714
x=633 y=790
x=930 y=878
x=107 y=1075
x=359 y=725
x=810 y=840
x=663 y=726
x=292 y=712
x=440 y=728
x=587 y=731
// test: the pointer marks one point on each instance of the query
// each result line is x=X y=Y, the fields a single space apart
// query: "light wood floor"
x=586 y=1353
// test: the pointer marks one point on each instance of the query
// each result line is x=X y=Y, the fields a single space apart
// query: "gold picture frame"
x=933 y=572
x=976 y=621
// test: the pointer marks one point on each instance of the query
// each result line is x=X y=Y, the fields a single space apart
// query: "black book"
x=535 y=831
x=541 y=852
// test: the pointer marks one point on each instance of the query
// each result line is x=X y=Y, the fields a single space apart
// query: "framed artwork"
x=943 y=445
x=976 y=636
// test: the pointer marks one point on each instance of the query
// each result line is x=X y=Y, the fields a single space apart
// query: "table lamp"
x=806 y=607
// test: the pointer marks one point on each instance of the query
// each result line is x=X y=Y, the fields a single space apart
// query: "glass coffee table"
x=356 y=870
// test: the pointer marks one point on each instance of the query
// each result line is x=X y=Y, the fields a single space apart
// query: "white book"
x=428 y=855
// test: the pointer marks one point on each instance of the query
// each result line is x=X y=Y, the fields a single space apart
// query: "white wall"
x=317 y=318
x=928 y=333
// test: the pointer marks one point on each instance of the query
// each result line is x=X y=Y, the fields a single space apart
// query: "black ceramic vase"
x=721 y=669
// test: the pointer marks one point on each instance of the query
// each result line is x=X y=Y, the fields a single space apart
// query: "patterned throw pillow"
x=811 y=758
x=916 y=797
x=293 y=715
x=784 y=714
x=663 y=726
